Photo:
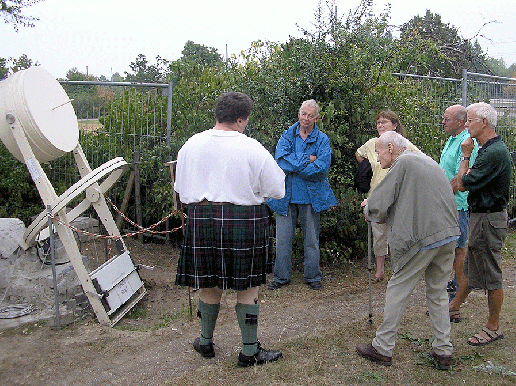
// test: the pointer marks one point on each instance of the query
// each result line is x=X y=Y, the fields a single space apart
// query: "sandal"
x=491 y=337
x=455 y=316
x=377 y=279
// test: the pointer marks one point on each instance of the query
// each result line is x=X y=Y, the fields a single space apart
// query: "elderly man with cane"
x=416 y=201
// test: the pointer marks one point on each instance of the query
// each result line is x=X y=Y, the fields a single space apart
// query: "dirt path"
x=152 y=345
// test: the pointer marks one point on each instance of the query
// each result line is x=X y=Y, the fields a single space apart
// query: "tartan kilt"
x=226 y=246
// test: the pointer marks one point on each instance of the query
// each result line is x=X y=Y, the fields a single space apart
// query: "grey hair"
x=397 y=140
x=485 y=110
x=311 y=103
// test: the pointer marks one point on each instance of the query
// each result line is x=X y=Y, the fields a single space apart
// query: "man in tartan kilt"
x=224 y=177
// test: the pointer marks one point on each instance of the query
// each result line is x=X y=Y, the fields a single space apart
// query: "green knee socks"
x=208 y=314
x=247 y=315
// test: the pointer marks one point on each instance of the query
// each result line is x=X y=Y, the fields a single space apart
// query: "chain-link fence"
x=500 y=92
x=439 y=93
x=121 y=119
x=116 y=119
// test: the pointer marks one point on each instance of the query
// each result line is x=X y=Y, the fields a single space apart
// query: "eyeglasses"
x=383 y=122
x=308 y=116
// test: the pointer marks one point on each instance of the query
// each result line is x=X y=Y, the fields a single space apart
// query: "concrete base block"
x=11 y=235
x=25 y=279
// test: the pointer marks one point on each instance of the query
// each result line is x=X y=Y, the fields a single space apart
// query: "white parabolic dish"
x=42 y=108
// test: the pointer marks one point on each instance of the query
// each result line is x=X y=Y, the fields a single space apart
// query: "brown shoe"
x=368 y=351
x=443 y=361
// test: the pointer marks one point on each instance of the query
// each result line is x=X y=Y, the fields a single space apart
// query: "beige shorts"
x=380 y=246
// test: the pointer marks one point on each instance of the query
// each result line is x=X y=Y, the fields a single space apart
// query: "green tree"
x=88 y=100
x=78 y=92
x=75 y=74
x=512 y=70
x=200 y=55
x=439 y=50
x=143 y=72
x=4 y=70
x=497 y=67
x=22 y=63
x=199 y=77
x=346 y=64
x=12 y=65
x=116 y=77
x=11 y=10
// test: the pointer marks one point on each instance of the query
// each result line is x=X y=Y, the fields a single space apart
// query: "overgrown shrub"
x=19 y=196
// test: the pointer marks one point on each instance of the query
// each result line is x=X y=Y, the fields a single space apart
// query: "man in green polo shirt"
x=488 y=183
x=454 y=120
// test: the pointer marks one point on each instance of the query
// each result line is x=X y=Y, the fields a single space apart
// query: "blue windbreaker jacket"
x=315 y=173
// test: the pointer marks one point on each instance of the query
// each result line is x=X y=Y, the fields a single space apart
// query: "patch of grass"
x=467 y=358
x=373 y=376
x=137 y=312
x=89 y=125
x=169 y=318
x=140 y=312
x=419 y=341
x=325 y=355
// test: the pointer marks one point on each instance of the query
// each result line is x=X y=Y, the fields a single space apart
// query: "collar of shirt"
x=312 y=137
x=489 y=142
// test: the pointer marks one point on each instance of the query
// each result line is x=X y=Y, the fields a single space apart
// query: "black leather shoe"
x=206 y=350
x=368 y=351
x=262 y=356
x=274 y=285
x=443 y=361
x=315 y=285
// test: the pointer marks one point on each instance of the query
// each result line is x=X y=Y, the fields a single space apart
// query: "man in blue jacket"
x=304 y=154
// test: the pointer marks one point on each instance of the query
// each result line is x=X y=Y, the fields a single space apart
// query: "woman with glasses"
x=386 y=120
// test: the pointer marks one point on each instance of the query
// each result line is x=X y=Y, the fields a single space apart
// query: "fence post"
x=137 y=196
x=464 y=87
x=169 y=128
x=169 y=111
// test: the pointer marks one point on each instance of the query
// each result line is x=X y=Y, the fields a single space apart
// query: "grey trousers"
x=436 y=264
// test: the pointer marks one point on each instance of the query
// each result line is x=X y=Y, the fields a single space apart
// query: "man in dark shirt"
x=488 y=182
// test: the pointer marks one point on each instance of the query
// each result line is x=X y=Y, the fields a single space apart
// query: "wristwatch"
x=464 y=158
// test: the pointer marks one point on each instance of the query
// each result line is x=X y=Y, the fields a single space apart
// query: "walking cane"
x=369 y=268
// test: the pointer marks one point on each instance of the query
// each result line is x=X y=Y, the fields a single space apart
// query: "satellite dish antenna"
x=37 y=125
x=43 y=110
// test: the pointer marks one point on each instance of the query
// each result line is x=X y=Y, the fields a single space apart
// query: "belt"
x=206 y=202
x=496 y=210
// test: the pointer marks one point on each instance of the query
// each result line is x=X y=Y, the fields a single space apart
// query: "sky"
x=102 y=37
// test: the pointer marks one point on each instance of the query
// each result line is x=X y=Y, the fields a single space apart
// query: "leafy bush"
x=19 y=196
